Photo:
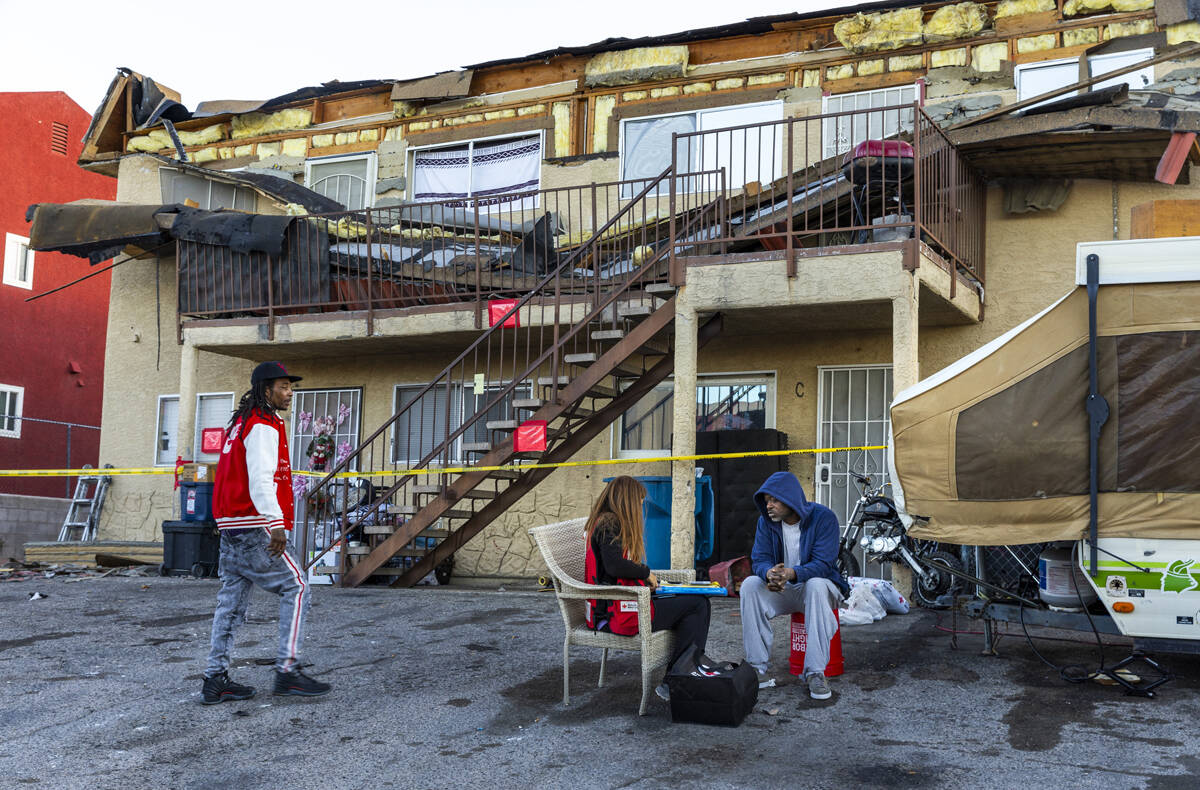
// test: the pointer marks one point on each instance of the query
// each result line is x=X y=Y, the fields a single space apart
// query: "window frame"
x=295 y=449
x=239 y=192
x=410 y=164
x=768 y=378
x=372 y=177
x=693 y=185
x=158 y=429
x=13 y=243
x=17 y=415
x=826 y=153
x=198 y=429
x=1026 y=68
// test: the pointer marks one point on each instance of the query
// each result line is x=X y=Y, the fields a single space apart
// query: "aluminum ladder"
x=97 y=485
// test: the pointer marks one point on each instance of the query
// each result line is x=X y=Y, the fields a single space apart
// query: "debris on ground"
x=17 y=571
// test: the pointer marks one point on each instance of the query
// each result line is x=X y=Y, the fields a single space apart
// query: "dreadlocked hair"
x=255 y=400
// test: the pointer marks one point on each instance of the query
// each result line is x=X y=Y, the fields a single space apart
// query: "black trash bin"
x=190 y=547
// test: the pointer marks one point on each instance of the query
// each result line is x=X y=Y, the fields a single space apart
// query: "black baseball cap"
x=269 y=371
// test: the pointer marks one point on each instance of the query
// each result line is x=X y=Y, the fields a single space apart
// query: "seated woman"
x=616 y=552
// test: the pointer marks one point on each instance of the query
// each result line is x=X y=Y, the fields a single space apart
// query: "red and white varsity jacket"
x=254 y=476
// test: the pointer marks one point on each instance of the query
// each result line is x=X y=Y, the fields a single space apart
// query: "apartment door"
x=852 y=408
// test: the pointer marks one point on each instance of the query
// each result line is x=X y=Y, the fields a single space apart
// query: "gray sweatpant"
x=245 y=563
x=815 y=597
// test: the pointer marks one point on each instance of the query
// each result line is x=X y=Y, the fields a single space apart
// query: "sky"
x=258 y=49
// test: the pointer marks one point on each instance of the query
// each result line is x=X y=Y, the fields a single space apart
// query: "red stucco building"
x=51 y=349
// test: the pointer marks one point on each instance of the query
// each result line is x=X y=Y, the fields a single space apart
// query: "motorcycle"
x=875 y=526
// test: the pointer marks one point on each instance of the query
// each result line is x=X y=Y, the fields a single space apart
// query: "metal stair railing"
x=578 y=291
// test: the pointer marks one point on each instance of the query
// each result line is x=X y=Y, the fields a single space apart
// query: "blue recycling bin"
x=656 y=517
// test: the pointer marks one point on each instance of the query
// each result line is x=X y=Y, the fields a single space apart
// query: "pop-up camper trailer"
x=995 y=449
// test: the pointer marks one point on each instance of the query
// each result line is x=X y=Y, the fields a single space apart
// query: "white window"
x=853 y=405
x=179 y=187
x=440 y=411
x=12 y=401
x=165 y=430
x=350 y=180
x=840 y=134
x=746 y=155
x=479 y=171
x=18 y=261
x=213 y=411
x=729 y=402
x=333 y=414
x=1034 y=79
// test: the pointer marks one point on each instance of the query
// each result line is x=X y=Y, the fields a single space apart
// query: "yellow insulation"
x=1082 y=35
x=1035 y=43
x=842 y=72
x=906 y=63
x=1123 y=29
x=1077 y=7
x=948 y=57
x=956 y=21
x=879 y=31
x=989 y=57
x=604 y=110
x=254 y=124
x=1007 y=8
x=629 y=66
x=158 y=139
x=1184 y=31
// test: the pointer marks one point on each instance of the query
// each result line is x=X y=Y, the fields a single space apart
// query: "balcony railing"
x=789 y=185
x=851 y=177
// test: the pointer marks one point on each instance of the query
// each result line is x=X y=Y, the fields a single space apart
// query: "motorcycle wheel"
x=926 y=592
x=847 y=563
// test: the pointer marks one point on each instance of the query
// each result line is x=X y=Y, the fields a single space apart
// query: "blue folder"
x=696 y=588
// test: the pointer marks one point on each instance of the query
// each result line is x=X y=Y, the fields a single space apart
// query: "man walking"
x=252 y=502
x=794 y=560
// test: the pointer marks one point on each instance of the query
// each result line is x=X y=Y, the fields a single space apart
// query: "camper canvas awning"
x=994 y=449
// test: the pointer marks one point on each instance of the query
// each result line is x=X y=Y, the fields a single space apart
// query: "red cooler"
x=800 y=643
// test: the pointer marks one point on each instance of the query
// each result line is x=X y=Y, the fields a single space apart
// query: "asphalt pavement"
x=461 y=688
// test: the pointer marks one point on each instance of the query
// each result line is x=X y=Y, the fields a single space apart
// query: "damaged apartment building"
x=723 y=240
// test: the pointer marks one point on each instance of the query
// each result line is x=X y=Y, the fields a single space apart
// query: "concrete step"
x=501 y=425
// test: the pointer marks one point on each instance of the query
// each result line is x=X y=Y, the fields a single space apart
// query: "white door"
x=852 y=407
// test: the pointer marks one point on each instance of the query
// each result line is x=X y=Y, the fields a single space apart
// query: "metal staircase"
x=576 y=351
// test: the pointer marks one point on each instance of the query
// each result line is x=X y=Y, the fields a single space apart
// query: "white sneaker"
x=663 y=691
x=765 y=682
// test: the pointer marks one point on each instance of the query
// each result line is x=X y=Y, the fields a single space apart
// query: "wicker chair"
x=563 y=548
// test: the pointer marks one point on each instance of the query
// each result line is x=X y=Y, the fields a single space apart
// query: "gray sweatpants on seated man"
x=817 y=598
x=245 y=564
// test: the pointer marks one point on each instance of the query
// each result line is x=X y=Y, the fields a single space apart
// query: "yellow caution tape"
x=454 y=469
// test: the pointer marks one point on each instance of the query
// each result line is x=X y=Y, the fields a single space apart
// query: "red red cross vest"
x=621 y=616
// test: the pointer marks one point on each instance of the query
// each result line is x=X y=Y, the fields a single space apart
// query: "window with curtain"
x=427 y=423
x=11 y=406
x=484 y=172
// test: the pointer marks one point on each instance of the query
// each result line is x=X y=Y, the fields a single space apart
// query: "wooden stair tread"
x=546 y=381
x=477 y=447
x=580 y=359
x=501 y=425
x=528 y=403
x=634 y=310
x=608 y=334
x=660 y=288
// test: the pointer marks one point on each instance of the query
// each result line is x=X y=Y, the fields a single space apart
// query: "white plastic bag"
x=893 y=602
x=862 y=607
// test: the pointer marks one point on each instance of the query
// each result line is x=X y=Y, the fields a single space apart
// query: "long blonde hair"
x=623 y=497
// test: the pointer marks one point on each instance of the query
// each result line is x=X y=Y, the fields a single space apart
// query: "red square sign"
x=211 y=440
x=530 y=437
x=499 y=308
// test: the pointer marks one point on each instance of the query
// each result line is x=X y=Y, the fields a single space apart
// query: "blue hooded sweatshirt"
x=820 y=534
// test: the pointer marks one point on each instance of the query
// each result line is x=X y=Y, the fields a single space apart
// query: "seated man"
x=795 y=570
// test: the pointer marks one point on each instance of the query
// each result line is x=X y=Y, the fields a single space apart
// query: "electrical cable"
x=1071 y=673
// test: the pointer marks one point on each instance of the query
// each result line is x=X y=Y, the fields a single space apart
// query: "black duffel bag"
x=710 y=692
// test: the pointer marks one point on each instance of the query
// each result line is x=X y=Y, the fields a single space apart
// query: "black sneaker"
x=219 y=688
x=298 y=684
